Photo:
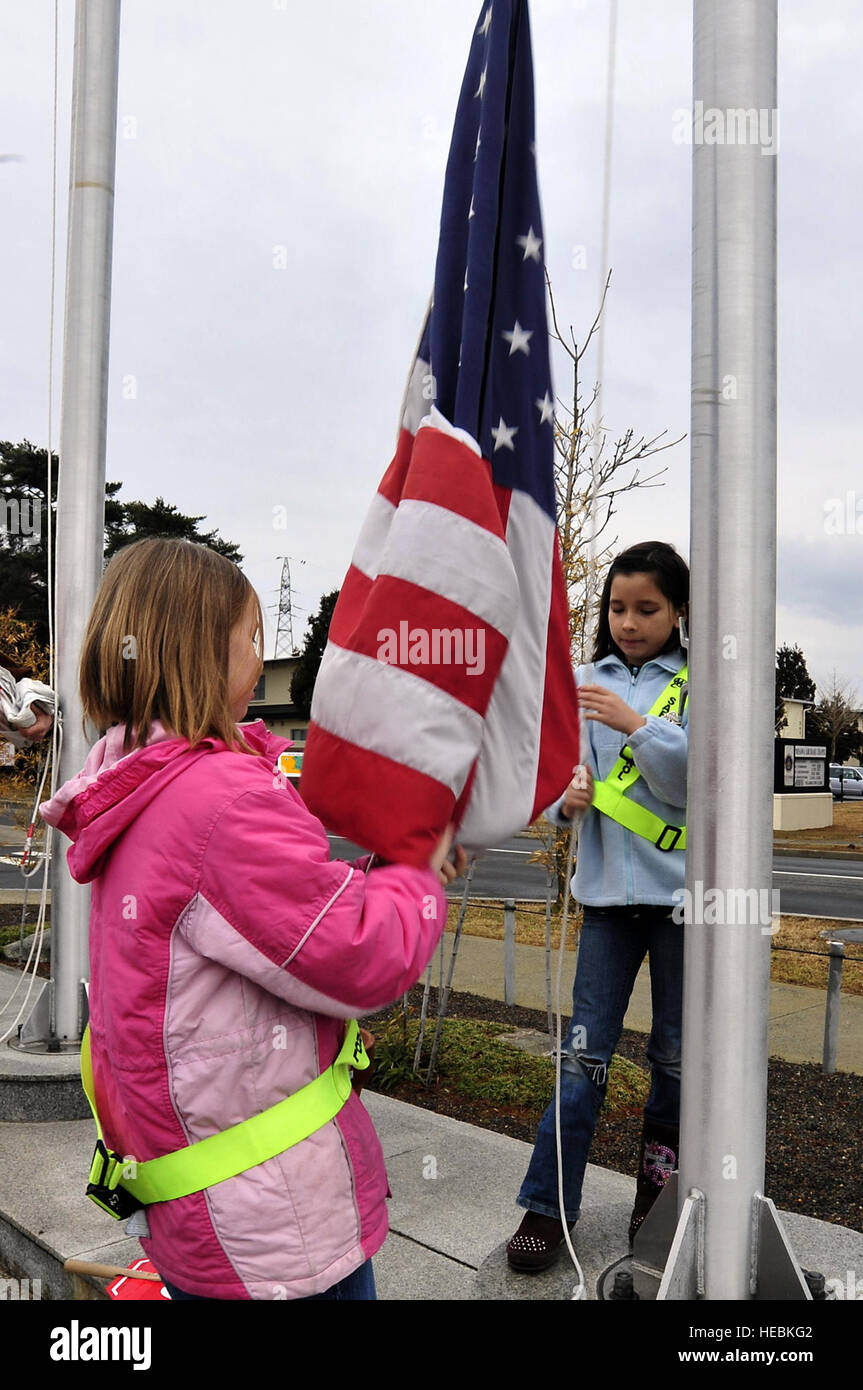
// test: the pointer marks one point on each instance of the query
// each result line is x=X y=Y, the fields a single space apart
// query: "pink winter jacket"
x=227 y=949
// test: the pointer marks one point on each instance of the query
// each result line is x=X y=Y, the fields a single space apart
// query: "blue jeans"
x=612 y=946
x=359 y=1285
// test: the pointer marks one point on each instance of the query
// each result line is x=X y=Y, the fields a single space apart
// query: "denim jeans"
x=612 y=946
x=359 y=1285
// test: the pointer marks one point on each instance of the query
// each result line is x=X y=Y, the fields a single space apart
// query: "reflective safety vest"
x=609 y=796
x=121 y=1186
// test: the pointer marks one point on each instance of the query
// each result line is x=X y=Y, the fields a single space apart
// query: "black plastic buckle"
x=115 y=1200
x=675 y=830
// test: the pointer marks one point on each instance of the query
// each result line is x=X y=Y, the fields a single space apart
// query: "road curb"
x=854 y=856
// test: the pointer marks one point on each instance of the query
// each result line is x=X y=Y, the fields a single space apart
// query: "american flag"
x=446 y=690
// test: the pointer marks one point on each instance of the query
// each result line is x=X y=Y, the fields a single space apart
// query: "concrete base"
x=802 y=810
x=35 y=1087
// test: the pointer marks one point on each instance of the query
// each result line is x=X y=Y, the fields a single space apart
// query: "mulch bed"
x=813 y=1121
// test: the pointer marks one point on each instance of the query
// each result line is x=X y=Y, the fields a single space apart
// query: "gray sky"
x=279 y=177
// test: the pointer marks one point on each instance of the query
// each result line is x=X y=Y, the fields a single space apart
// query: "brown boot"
x=536 y=1244
x=657 y=1160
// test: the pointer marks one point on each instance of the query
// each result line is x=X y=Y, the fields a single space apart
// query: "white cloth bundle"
x=16 y=706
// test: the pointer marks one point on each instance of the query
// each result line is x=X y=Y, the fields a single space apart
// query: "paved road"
x=503 y=872
x=816 y=887
x=810 y=887
x=806 y=885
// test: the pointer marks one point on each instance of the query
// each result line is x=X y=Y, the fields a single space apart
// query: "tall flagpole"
x=728 y=1241
x=733 y=637
x=81 y=485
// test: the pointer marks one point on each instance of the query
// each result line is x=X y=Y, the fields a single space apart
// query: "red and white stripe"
x=396 y=751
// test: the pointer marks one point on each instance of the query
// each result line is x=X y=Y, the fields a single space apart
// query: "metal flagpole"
x=727 y=1242
x=81 y=485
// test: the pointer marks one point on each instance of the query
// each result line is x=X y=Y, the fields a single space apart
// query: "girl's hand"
x=442 y=866
x=579 y=794
x=44 y=720
x=607 y=708
x=359 y=1078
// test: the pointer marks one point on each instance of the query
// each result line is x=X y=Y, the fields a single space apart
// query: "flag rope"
x=56 y=729
x=580 y=1290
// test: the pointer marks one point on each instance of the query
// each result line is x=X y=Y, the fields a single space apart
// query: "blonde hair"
x=157 y=642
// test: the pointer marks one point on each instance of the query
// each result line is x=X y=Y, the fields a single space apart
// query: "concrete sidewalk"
x=795 y=1030
x=451 y=1214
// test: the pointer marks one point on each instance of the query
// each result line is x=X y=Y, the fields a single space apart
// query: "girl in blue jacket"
x=625 y=879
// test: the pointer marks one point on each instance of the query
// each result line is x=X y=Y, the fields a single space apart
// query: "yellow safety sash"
x=244 y=1145
x=609 y=796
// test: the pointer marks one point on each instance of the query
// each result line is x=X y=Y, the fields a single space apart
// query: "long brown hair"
x=157 y=642
x=670 y=573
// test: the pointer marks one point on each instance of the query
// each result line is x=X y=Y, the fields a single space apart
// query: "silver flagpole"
x=81 y=485
x=733 y=638
x=727 y=1242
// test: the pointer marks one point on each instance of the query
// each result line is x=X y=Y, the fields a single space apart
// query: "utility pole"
x=285 y=625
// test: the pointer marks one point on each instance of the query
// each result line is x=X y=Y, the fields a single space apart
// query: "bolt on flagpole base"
x=668 y=1253
x=650 y=1250
x=777 y=1273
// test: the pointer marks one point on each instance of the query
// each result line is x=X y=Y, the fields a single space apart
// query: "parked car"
x=845 y=782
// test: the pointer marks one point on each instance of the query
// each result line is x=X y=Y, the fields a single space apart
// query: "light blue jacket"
x=614 y=866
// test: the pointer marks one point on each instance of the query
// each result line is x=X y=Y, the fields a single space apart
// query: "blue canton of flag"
x=487 y=337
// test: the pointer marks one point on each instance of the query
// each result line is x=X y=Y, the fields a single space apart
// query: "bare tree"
x=835 y=720
x=591 y=474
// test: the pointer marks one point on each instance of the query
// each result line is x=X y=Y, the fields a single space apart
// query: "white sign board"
x=808 y=773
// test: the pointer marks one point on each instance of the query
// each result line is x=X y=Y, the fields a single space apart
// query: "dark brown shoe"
x=536 y=1244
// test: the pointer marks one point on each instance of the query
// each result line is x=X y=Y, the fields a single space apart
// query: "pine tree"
x=793 y=681
x=306 y=673
x=24 y=517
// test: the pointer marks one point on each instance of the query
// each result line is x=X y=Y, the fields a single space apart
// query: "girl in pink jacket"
x=227 y=949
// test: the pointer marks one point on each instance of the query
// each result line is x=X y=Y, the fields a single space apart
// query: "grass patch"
x=804 y=934
x=846 y=832
x=476 y=1066
x=799 y=933
x=486 y=919
x=10 y=934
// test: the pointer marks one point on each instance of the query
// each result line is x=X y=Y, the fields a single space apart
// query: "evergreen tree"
x=793 y=681
x=24 y=515
x=306 y=673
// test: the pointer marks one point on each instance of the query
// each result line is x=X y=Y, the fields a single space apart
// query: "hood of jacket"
x=95 y=807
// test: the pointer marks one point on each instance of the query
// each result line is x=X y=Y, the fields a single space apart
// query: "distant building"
x=272 y=700
x=795 y=713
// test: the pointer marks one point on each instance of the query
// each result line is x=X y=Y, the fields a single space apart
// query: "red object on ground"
x=139 y=1288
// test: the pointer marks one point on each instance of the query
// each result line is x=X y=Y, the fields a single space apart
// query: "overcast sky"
x=245 y=378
